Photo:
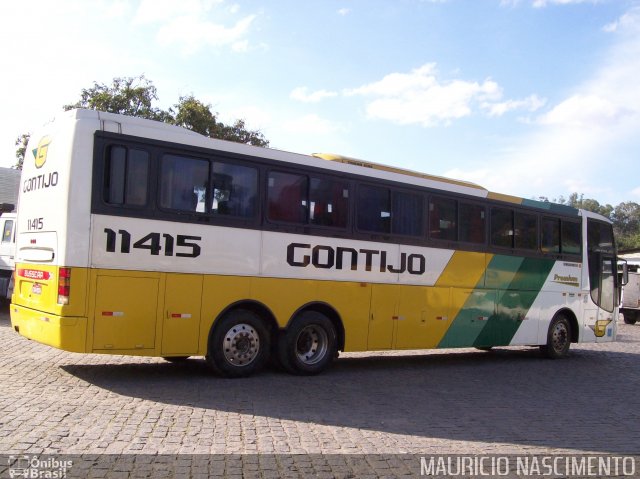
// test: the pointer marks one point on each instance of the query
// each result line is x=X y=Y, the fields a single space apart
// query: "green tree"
x=191 y=113
x=135 y=96
x=21 y=143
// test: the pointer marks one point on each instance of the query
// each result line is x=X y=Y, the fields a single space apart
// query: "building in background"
x=9 y=186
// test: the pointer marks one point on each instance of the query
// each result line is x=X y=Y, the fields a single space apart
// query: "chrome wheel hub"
x=312 y=344
x=241 y=345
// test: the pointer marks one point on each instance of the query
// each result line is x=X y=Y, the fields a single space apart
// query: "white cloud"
x=544 y=3
x=344 y=11
x=193 y=34
x=310 y=124
x=420 y=97
x=531 y=103
x=160 y=11
x=628 y=22
x=187 y=24
x=301 y=94
x=585 y=111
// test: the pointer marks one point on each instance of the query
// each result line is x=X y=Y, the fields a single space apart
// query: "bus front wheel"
x=558 y=338
x=630 y=318
x=239 y=344
x=309 y=344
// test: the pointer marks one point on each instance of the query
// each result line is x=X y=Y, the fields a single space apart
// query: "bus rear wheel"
x=308 y=346
x=630 y=318
x=558 y=338
x=238 y=345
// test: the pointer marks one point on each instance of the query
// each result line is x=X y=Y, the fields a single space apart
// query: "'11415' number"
x=155 y=242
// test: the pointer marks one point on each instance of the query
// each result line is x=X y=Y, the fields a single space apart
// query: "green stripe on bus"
x=493 y=312
x=513 y=304
x=480 y=303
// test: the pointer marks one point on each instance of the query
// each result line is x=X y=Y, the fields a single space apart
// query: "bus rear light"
x=64 y=285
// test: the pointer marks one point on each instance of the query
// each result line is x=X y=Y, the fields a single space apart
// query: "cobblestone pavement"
x=510 y=401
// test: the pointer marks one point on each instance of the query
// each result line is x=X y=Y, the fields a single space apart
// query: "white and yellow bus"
x=135 y=237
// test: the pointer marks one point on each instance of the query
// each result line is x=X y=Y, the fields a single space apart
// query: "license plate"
x=36 y=289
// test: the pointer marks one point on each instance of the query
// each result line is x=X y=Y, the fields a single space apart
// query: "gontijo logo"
x=40 y=153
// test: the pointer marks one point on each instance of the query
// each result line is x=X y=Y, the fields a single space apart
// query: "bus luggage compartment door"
x=181 y=323
x=125 y=314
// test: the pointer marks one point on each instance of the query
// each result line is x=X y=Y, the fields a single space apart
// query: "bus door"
x=607 y=297
x=602 y=280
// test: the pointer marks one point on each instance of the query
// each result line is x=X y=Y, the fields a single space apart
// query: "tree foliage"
x=625 y=217
x=136 y=96
x=21 y=144
x=133 y=96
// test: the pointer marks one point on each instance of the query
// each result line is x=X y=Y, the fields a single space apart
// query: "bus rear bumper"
x=66 y=333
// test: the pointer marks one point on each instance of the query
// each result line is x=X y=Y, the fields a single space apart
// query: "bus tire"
x=239 y=344
x=175 y=359
x=308 y=345
x=558 y=338
x=630 y=318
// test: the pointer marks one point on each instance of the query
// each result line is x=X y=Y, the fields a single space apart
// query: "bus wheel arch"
x=561 y=333
x=310 y=341
x=573 y=322
x=240 y=338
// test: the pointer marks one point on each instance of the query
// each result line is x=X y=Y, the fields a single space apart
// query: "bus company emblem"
x=40 y=153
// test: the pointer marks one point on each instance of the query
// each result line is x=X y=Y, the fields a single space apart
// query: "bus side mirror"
x=625 y=272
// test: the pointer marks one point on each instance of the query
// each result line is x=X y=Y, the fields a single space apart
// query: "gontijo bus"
x=136 y=237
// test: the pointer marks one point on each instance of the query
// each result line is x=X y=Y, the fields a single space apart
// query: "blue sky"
x=525 y=97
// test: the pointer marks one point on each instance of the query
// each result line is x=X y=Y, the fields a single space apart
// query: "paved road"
x=436 y=402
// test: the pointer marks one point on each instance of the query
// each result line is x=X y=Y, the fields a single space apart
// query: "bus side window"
x=550 y=236
x=374 y=209
x=406 y=216
x=571 y=237
x=328 y=202
x=183 y=184
x=6 y=232
x=126 y=178
x=442 y=219
x=502 y=227
x=235 y=190
x=472 y=223
x=287 y=197
x=526 y=230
